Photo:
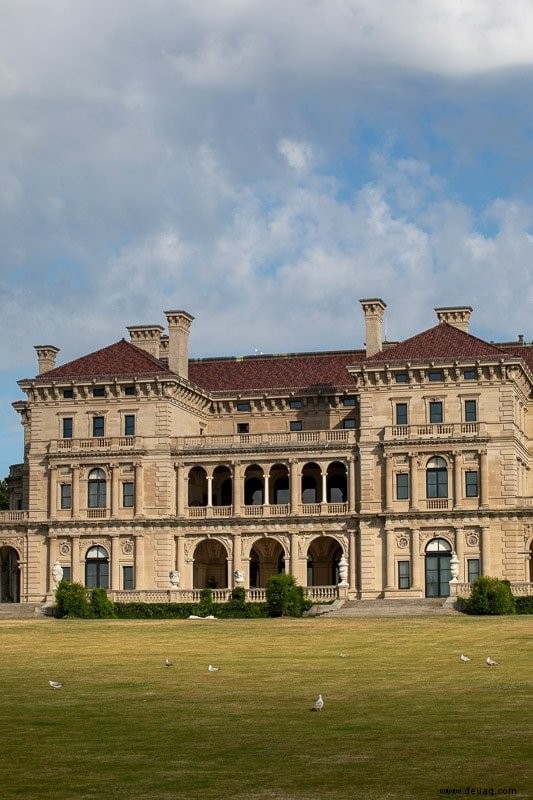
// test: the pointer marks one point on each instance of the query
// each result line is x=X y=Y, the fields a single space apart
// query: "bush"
x=101 y=605
x=524 y=605
x=491 y=596
x=71 y=600
x=284 y=598
x=206 y=602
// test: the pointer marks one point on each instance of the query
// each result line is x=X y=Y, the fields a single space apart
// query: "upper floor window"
x=295 y=404
x=402 y=486
x=129 y=391
x=68 y=394
x=98 y=426
x=401 y=413
x=96 y=492
x=98 y=391
x=127 y=494
x=471 y=483
x=470 y=411
x=244 y=406
x=295 y=425
x=129 y=424
x=65 y=500
x=243 y=427
x=67 y=427
x=436 y=411
x=401 y=377
x=348 y=402
x=469 y=374
x=436 y=478
x=435 y=375
x=349 y=422
x=404 y=576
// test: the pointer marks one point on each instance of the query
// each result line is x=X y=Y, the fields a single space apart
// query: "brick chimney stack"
x=179 y=323
x=458 y=316
x=46 y=356
x=373 y=309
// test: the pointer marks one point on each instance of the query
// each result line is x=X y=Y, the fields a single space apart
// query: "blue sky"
x=262 y=166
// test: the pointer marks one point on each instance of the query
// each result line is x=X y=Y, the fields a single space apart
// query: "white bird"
x=168 y=662
x=491 y=662
x=55 y=684
x=465 y=658
x=319 y=704
x=343 y=655
x=210 y=616
x=211 y=668
x=194 y=616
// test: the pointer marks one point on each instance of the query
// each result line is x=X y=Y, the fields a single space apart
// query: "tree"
x=4 y=495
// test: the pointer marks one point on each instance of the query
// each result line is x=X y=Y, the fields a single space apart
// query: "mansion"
x=365 y=473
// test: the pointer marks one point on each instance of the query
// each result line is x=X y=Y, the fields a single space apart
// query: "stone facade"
x=156 y=475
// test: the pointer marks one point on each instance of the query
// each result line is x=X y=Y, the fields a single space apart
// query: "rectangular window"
x=473 y=569
x=401 y=377
x=471 y=481
x=127 y=494
x=68 y=394
x=349 y=423
x=67 y=427
x=66 y=496
x=348 y=402
x=435 y=375
x=98 y=391
x=402 y=486
x=98 y=426
x=129 y=391
x=295 y=404
x=435 y=411
x=404 y=576
x=245 y=406
x=401 y=413
x=128 y=582
x=129 y=424
x=470 y=374
x=243 y=427
x=295 y=425
x=470 y=411
x=66 y=573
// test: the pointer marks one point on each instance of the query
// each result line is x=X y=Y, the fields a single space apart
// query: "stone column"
x=52 y=491
x=415 y=559
x=456 y=479
x=351 y=486
x=237 y=488
x=180 y=497
x=237 y=553
x=294 y=559
x=115 y=562
x=115 y=490
x=485 y=550
x=180 y=553
x=484 y=479
x=352 y=575
x=139 y=561
x=295 y=489
x=75 y=491
x=209 y=491
x=388 y=481
x=413 y=481
x=77 y=567
x=266 y=498
x=324 y=484
x=389 y=556
x=460 y=551
x=139 y=503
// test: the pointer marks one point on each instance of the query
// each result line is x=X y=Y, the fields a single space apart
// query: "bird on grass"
x=168 y=662
x=465 y=659
x=211 y=668
x=55 y=684
x=491 y=662
x=343 y=655
x=319 y=704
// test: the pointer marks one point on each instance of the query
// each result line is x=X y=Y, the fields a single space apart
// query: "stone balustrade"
x=259 y=441
x=433 y=431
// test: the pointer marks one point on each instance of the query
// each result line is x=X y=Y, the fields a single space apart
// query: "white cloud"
x=297 y=154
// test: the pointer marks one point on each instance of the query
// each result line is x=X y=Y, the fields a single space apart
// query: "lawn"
x=403 y=717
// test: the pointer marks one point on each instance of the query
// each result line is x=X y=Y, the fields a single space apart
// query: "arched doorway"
x=210 y=565
x=97 y=568
x=323 y=558
x=438 y=572
x=9 y=575
x=267 y=557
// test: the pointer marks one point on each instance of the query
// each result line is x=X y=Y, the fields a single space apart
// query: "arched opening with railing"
x=210 y=565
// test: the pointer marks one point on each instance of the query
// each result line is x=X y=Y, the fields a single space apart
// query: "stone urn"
x=174 y=578
x=454 y=568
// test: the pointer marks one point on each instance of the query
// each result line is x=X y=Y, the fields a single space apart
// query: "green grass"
x=403 y=717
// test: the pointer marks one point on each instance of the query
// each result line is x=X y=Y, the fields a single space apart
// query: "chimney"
x=373 y=309
x=179 y=323
x=46 y=356
x=458 y=316
x=147 y=337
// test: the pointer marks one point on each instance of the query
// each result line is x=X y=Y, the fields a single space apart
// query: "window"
x=435 y=411
x=404 y=577
x=401 y=413
x=97 y=568
x=129 y=391
x=295 y=404
x=65 y=500
x=349 y=422
x=129 y=425
x=127 y=578
x=96 y=491
x=401 y=377
x=473 y=569
x=245 y=406
x=98 y=391
x=66 y=573
x=436 y=478
x=471 y=481
x=68 y=394
x=469 y=374
x=348 y=402
x=435 y=375
x=67 y=427
x=402 y=486
x=470 y=411
x=243 y=427
x=295 y=425
x=98 y=426
x=127 y=494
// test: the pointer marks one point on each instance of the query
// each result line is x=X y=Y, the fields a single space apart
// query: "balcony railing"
x=282 y=510
x=437 y=505
x=13 y=516
x=324 y=594
x=265 y=440
x=433 y=431
x=95 y=443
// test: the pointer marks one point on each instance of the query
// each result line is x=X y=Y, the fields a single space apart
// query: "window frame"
x=98 y=391
x=296 y=404
x=349 y=423
x=404 y=407
x=471 y=570
x=470 y=410
x=129 y=420
x=433 y=404
x=401 y=377
x=66 y=423
x=244 y=406
x=472 y=485
x=349 y=402
x=243 y=428
x=295 y=425
x=97 y=490
x=435 y=375
x=405 y=578
x=402 y=485
x=128 y=495
x=435 y=488
x=96 y=435
x=65 y=498
x=131 y=578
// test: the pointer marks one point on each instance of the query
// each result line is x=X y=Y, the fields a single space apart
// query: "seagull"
x=55 y=684
x=211 y=668
x=168 y=662
x=343 y=655
x=318 y=704
x=491 y=662
x=465 y=658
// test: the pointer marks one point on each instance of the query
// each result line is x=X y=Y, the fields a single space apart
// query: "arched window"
x=97 y=568
x=96 y=489
x=436 y=478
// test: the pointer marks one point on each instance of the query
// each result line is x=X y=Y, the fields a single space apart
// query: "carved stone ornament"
x=238 y=577
x=64 y=548
x=174 y=578
x=472 y=540
x=343 y=571
x=402 y=542
x=127 y=547
x=57 y=572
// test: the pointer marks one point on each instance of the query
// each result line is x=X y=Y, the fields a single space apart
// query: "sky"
x=263 y=166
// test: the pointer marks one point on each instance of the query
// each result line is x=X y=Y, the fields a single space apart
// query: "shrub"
x=206 y=602
x=491 y=596
x=524 y=605
x=284 y=598
x=71 y=600
x=101 y=605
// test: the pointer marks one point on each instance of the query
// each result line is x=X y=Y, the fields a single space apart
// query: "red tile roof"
x=524 y=351
x=444 y=342
x=119 y=360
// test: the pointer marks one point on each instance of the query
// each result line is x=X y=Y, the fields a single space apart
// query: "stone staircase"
x=391 y=608
x=21 y=611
